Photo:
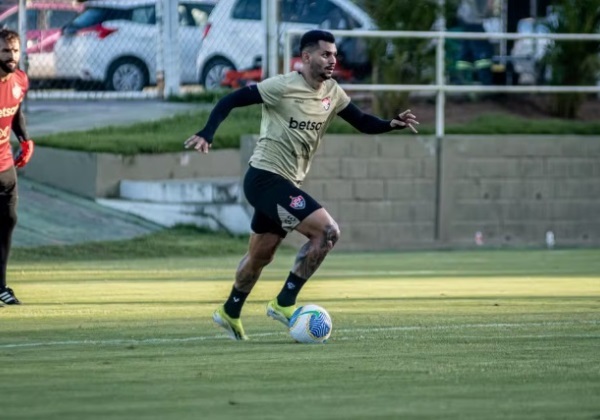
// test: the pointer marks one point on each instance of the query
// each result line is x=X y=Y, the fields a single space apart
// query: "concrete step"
x=181 y=191
x=233 y=218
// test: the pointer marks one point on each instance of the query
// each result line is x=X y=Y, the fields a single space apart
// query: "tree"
x=574 y=62
x=404 y=60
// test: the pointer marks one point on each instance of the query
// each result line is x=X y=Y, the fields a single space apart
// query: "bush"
x=574 y=62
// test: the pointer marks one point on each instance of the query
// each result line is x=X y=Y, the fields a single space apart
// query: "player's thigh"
x=319 y=224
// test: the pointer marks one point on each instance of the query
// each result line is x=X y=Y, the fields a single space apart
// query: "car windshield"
x=95 y=15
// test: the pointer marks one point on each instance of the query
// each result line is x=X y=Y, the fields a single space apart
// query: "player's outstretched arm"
x=202 y=140
x=370 y=124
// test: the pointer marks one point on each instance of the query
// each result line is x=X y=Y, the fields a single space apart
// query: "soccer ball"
x=310 y=324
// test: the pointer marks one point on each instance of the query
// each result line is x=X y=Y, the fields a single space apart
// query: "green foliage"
x=408 y=61
x=574 y=62
x=167 y=135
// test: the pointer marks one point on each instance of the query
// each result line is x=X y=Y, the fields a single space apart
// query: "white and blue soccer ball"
x=310 y=324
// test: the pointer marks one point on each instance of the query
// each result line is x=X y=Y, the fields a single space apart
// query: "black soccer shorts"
x=279 y=206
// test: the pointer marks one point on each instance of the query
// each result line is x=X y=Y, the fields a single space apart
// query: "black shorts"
x=279 y=206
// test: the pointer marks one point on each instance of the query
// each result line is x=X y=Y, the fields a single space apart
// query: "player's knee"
x=263 y=258
x=328 y=237
x=333 y=234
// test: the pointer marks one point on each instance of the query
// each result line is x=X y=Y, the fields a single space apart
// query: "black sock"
x=291 y=288
x=233 y=305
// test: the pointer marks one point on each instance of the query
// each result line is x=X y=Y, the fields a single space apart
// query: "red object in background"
x=47 y=20
x=240 y=78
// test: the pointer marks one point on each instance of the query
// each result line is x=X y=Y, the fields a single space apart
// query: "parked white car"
x=114 y=43
x=234 y=38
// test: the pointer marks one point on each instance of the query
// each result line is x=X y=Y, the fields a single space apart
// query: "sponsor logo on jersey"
x=305 y=125
x=298 y=202
x=326 y=102
x=4 y=135
x=8 y=112
x=17 y=91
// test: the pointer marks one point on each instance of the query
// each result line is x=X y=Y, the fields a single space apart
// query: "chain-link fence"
x=137 y=48
x=126 y=46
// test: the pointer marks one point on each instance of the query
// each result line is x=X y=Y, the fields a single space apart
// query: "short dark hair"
x=312 y=38
x=8 y=35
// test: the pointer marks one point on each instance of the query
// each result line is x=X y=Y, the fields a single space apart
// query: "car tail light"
x=100 y=31
x=206 y=30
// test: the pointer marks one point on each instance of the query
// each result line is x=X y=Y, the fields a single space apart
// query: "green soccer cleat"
x=233 y=326
x=280 y=313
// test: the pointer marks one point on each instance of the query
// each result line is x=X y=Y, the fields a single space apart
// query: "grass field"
x=444 y=335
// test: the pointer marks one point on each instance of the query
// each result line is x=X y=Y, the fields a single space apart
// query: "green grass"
x=181 y=241
x=452 y=335
x=168 y=135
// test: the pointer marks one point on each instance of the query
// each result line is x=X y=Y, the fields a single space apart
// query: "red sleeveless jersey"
x=12 y=93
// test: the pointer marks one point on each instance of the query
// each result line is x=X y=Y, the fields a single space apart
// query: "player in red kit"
x=13 y=87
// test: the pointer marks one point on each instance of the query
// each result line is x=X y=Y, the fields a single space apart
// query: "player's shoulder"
x=21 y=77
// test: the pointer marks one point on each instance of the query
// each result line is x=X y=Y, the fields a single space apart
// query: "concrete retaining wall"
x=383 y=190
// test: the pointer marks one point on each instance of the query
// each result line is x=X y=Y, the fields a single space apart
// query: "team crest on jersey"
x=297 y=203
x=17 y=91
x=326 y=102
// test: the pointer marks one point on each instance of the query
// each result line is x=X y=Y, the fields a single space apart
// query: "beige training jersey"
x=294 y=119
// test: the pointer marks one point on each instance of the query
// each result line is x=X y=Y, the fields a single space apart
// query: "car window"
x=318 y=12
x=193 y=14
x=12 y=21
x=95 y=15
x=145 y=15
x=247 y=9
x=59 y=18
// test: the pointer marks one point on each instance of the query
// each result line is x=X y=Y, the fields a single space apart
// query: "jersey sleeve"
x=272 y=89
x=342 y=99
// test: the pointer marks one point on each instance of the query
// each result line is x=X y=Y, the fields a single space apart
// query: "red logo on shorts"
x=297 y=203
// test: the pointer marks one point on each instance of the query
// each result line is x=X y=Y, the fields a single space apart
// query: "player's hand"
x=405 y=119
x=24 y=154
x=198 y=143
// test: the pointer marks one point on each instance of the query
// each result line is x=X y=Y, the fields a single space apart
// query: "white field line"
x=121 y=342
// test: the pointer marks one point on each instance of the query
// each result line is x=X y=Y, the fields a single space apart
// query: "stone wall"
x=514 y=189
x=383 y=190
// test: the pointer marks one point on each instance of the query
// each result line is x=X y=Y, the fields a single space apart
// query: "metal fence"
x=441 y=87
x=133 y=49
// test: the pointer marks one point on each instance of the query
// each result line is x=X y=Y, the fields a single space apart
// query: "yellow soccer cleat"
x=233 y=326
x=280 y=313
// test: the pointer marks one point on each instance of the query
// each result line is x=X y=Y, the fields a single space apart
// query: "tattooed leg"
x=312 y=254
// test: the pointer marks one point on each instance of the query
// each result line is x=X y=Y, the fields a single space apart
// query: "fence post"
x=160 y=60
x=171 y=48
x=440 y=102
x=272 y=51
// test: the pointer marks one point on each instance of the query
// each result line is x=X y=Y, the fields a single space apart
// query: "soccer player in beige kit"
x=296 y=109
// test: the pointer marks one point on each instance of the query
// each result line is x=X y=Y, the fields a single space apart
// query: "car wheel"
x=214 y=72
x=126 y=74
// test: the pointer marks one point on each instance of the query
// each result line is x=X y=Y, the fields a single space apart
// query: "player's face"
x=10 y=54
x=322 y=61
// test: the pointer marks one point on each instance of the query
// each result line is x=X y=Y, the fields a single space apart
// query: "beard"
x=6 y=68
x=321 y=73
